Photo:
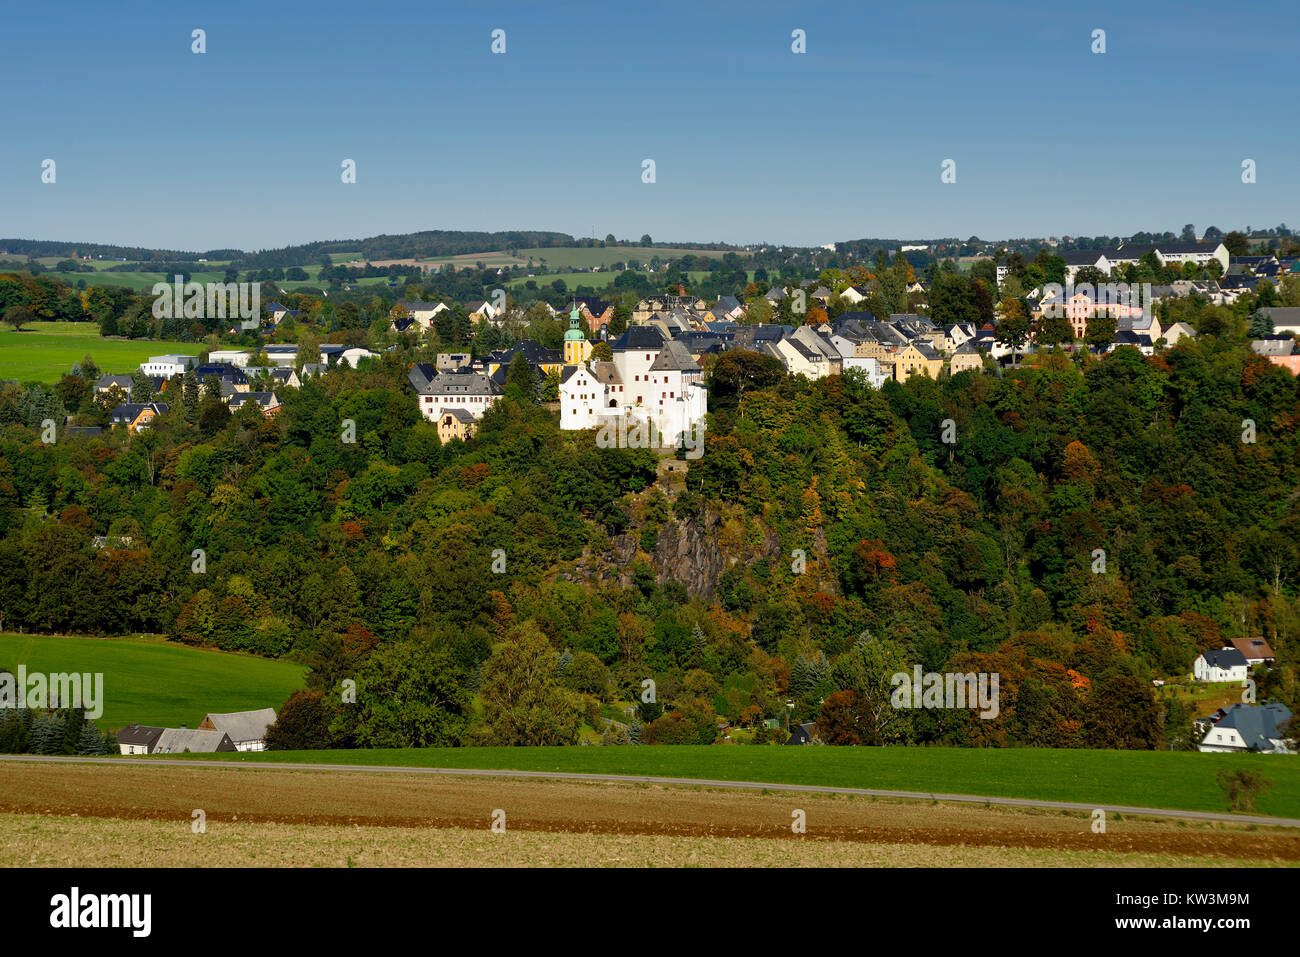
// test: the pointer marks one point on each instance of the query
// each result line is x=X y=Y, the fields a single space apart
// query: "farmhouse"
x=181 y=740
x=1256 y=651
x=137 y=739
x=1246 y=727
x=1227 y=664
x=802 y=733
x=246 y=729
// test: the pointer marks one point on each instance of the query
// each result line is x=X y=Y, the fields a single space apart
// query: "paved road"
x=689 y=782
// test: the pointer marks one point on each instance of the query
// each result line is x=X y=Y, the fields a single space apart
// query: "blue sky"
x=242 y=146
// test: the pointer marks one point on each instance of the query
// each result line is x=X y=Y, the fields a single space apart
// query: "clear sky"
x=242 y=146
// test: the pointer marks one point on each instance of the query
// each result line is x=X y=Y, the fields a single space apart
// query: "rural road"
x=686 y=782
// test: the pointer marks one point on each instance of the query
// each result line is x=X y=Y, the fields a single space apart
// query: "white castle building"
x=651 y=381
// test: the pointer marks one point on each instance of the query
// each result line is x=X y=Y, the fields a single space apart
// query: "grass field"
x=1182 y=780
x=562 y=256
x=103 y=265
x=154 y=682
x=44 y=351
x=600 y=281
x=139 y=281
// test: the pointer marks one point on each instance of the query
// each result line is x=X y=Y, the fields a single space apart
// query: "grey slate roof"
x=534 y=353
x=1257 y=723
x=1273 y=346
x=136 y=734
x=180 y=740
x=1282 y=315
x=1223 y=658
x=674 y=357
x=267 y=400
x=125 y=412
x=244 y=725
x=639 y=338
x=462 y=383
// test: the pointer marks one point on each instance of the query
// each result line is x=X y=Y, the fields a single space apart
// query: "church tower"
x=577 y=349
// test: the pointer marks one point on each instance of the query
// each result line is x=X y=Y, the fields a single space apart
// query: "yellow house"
x=966 y=357
x=545 y=360
x=454 y=424
x=138 y=417
x=917 y=358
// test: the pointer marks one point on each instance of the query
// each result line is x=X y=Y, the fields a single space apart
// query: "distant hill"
x=38 y=248
x=429 y=243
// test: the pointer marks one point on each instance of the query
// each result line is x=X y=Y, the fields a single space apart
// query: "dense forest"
x=516 y=587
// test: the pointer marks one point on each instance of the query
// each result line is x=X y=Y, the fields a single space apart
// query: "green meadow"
x=580 y=256
x=155 y=682
x=44 y=351
x=599 y=281
x=1158 y=779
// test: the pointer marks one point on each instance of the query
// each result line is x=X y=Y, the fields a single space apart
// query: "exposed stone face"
x=688 y=552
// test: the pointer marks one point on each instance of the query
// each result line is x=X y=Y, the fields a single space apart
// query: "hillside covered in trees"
x=510 y=589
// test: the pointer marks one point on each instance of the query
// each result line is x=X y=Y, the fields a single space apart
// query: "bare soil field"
x=101 y=815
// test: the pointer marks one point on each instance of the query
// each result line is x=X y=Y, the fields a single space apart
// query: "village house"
x=138 y=416
x=1285 y=319
x=1227 y=664
x=138 y=739
x=482 y=309
x=851 y=359
x=123 y=382
x=285 y=377
x=438 y=393
x=455 y=424
x=542 y=360
x=966 y=357
x=917 y=358
x=421 y=313
x=267 y=402
x=182 y=740
x=596 y=313
x=1256 y=651
x=648 y=306
x=1246 y=727
x=245 y=729
x=453 y=362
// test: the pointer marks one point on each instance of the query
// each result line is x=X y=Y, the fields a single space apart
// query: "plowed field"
x=68 y=815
